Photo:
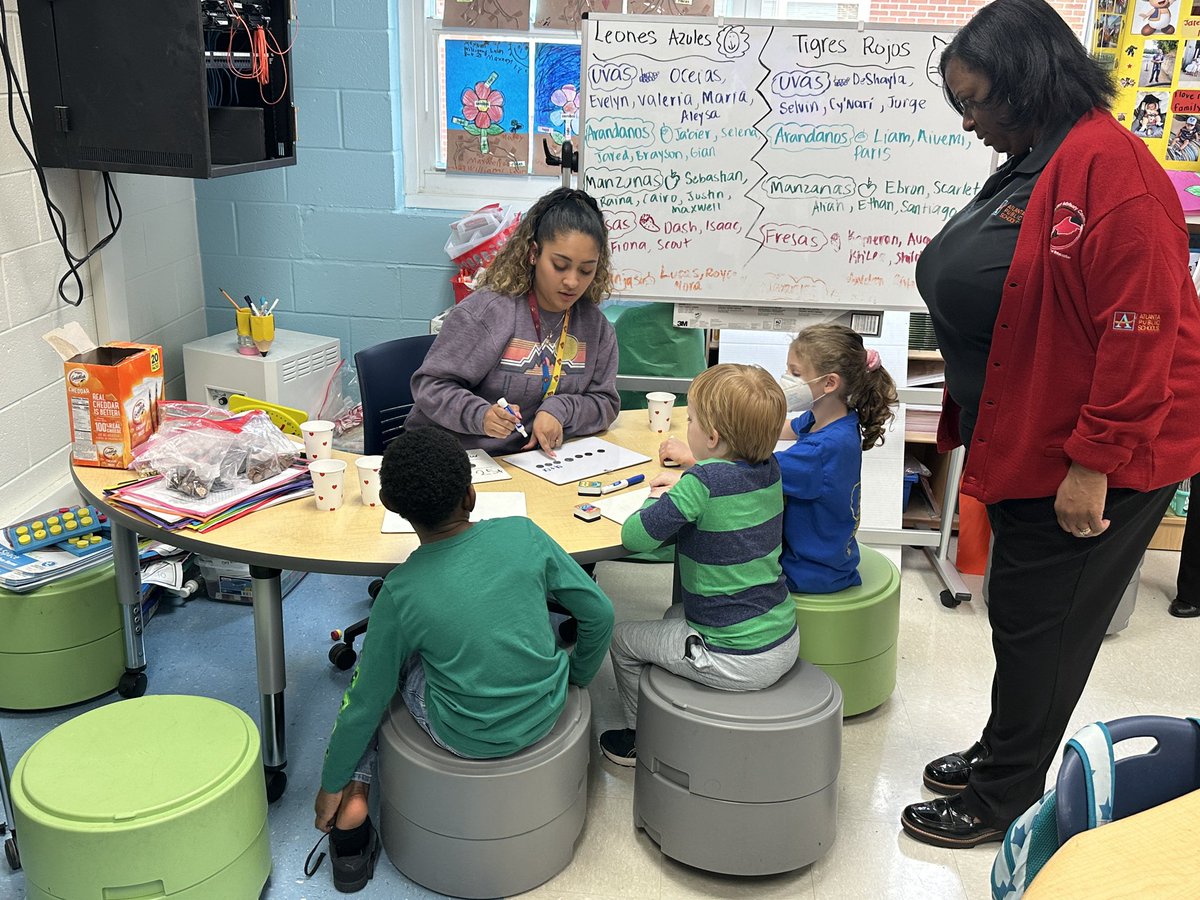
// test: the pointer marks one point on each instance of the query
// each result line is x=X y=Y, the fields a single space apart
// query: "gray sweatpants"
x=665 y=643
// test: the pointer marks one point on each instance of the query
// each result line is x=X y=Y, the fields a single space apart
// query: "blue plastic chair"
x=385 y=374
x=1171 y=769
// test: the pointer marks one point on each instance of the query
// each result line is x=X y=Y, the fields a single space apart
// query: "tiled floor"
x=939 y=705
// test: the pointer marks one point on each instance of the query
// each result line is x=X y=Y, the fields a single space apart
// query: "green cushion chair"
x=61 y=643
x=158 y=797
x=852 y=634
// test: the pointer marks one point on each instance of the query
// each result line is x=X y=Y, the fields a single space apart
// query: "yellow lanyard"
x=550 y=376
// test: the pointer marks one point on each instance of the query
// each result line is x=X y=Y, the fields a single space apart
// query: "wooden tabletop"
x=1152 y=855
x=348 y=542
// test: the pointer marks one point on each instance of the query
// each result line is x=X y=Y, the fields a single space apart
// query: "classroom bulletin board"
x=1153 y=48
x=788 y=163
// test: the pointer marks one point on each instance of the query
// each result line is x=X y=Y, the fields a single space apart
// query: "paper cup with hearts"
x=659 y=405
x=318 y=439
x=368 y=478
x=329 y=483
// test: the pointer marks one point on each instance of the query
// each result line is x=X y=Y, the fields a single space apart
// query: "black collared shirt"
x=961 y=273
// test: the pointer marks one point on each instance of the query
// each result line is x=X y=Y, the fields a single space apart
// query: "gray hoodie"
x=488 y=349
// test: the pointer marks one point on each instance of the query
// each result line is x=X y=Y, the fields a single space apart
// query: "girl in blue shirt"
x=844 y=398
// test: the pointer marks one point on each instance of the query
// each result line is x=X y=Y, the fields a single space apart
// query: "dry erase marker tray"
x=57 y=527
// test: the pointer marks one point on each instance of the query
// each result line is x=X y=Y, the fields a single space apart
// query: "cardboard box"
x=112 y=395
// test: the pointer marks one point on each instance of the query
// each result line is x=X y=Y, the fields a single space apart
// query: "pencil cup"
x=318 y=439
x=329 y=488
x=659 y=405
x=245 y=342
x=368 y=478
x=262 y=329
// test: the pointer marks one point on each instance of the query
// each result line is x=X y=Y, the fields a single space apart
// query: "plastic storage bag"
x=476 y=239
x=342 y=405
x=197 y=453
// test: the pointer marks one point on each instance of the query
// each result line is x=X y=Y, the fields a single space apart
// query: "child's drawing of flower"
x=566 y=98
x=482 y=110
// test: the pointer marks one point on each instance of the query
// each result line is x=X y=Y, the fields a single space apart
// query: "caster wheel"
x=949 y=600
x=342 y=656
x=276 y=784
x=374 y=588
x=11 y=854
x=132 y=684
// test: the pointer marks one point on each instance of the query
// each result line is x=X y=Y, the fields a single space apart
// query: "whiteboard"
x=790 y=163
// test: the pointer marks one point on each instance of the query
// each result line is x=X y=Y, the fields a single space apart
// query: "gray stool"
x=739 y=783
x=483 y=827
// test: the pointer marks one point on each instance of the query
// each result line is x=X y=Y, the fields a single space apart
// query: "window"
x=438 y=122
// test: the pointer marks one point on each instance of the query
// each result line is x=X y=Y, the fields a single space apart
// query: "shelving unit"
x=925 y=507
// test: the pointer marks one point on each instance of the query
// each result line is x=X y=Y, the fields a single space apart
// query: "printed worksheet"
x=488 y=505
x=577 y=460
x=620 y=507
x=485 y=469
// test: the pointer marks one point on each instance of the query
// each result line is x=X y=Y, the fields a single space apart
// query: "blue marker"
x=622 y=484
x=503 y=404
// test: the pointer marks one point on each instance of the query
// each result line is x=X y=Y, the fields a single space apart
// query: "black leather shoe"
x=1181 y=609
x=949 y=774
x=944 y=822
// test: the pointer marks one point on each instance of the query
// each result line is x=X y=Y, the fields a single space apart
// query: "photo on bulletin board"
x=670 y=7
x=1189 y=73
x=1113 y=7
x=1106 y=59
x=1184 y=145
x=487 y=107
x=1108 y=31
x=491 y=14
x=1149 y=116
x=555 y=101
x=1158 y=63
x=1153 y=17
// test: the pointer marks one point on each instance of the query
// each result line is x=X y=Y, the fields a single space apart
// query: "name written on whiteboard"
x=799 y=163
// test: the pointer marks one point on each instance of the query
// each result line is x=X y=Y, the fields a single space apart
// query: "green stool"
x=852 y=634
x=61 y=643
x=157 y=797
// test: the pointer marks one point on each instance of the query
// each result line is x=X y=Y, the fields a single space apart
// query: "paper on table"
x=489 y=505
x=622 y=506
x=576 y=460
x=485 y=469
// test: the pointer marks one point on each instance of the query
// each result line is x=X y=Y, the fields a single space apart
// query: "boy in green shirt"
x=462 y=628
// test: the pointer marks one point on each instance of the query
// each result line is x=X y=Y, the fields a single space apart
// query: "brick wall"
x=927 y=12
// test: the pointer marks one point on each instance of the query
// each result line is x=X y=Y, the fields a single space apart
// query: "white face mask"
x=799 y=394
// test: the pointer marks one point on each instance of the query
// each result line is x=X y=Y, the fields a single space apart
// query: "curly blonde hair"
x=562 y=211
x=836 y=349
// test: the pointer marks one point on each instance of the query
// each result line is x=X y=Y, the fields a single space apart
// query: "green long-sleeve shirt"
x=474 y=607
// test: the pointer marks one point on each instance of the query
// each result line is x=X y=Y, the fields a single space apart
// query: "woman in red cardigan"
x=1063 y=307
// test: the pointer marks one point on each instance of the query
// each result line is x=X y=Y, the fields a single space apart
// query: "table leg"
x=272 y=676
x=128 y=571
x=9 y=824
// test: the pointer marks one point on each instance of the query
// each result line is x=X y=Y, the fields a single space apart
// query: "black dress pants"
x=1187 y=585
x=1051 y=597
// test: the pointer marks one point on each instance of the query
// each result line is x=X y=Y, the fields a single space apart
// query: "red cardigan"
x=1095 y=354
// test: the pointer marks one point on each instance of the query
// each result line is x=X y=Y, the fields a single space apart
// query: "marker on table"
x=503 y=404
x=622 y=484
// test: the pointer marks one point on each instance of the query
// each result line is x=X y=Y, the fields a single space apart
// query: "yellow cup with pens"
x=262 y=330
